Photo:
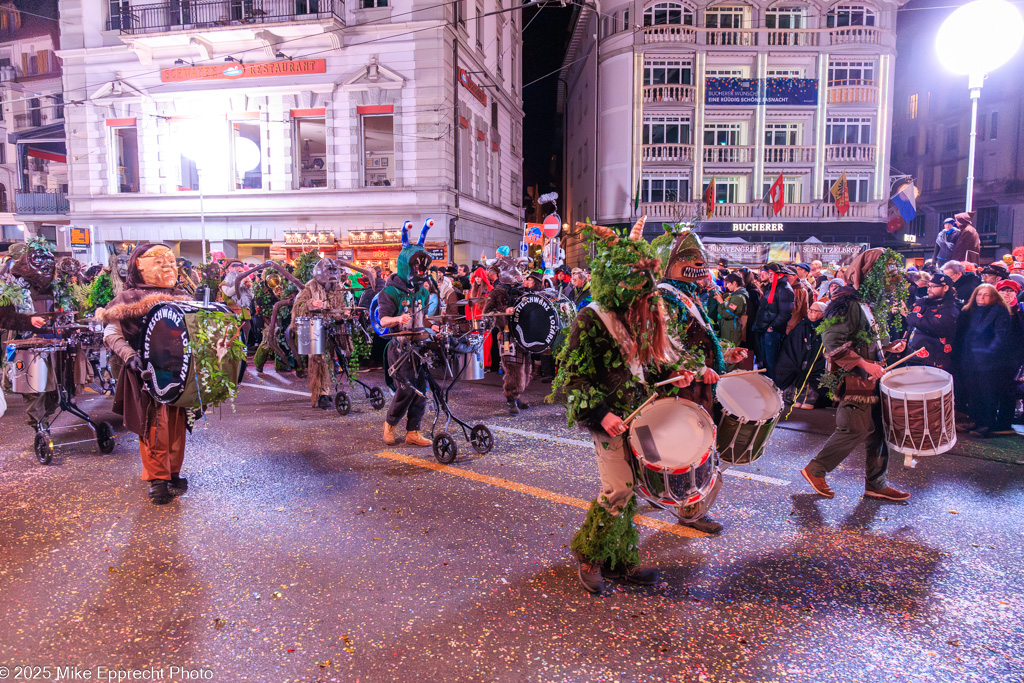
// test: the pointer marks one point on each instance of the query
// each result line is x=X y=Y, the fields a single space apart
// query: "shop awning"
x=52 y=133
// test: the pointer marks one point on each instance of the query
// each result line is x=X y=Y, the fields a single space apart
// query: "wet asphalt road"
x=307 y=551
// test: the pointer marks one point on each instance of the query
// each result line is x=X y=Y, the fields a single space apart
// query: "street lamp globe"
x=979 y=37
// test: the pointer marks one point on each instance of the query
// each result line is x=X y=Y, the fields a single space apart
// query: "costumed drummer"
x=321 y=295
x=685 y=267
x=618 y=348
x=151 y=280
x=516 y=362
x=851 y=323
x=401 y=306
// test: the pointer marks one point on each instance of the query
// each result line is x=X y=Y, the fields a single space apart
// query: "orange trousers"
x=163 y=449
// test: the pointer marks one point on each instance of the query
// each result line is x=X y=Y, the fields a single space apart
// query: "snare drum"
x=673 y=442
x=751 y=405
x=311 y=335
x=469 y=357
x=31 y=365
x=540 y=320
x=917 y=410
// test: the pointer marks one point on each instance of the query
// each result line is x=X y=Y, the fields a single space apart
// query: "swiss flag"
x=777 y=194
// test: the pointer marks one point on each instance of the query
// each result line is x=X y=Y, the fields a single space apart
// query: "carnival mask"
x=42 y=262
x=159 y=267
x=121 y=265
x=687 y=261
x=327 y=272
x=68 y=267
x=414 y=261
x=624 y=270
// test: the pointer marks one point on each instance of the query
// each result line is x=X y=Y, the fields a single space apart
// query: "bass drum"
x=166 y=331
x=540 y=320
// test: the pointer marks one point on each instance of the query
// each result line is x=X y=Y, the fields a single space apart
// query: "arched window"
x=3 y=198
x=668 y=13
x=851 y=15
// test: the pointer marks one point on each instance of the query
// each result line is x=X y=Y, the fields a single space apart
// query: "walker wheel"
x=105 y=437
x=445 y=448
x=481 y=439
x=376 y=398
x=43 y=448
x=341 y=403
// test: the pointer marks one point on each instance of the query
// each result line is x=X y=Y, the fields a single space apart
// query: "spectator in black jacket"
x=773 y=315
x=931 y=325
x=801 y=361
x=984 y=357
x=963 y=282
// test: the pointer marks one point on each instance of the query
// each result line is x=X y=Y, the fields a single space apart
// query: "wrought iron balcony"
x=41 y=203
x=188 y=15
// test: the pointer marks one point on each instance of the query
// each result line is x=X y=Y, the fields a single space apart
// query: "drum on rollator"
x=673 y=444
x=751 y=406
x=917 y=411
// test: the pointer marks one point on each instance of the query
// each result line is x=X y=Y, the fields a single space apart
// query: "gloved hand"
x=135 y=363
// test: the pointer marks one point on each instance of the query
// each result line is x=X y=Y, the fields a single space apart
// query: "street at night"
x=306 y=550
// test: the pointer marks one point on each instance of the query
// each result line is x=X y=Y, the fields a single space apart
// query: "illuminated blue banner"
x=748 y=92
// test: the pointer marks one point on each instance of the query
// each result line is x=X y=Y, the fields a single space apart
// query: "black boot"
x=159 y=493
x=513 y=407
x=590 y=576
x=641 y=576
x=522 y=404
x=178 y=485
x=324 y=402
x=705 y=524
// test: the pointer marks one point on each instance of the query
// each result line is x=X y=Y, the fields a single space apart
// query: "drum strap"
x=693 y=309
x=618 y=332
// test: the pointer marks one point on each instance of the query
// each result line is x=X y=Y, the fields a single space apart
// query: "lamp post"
x=975 y=39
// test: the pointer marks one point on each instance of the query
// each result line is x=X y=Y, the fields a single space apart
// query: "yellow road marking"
x=643 y=520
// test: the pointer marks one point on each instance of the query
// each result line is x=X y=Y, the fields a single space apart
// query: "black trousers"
x=406 y=402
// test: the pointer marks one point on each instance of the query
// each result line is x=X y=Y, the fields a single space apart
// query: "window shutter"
x=44 y=61
x=24 y=63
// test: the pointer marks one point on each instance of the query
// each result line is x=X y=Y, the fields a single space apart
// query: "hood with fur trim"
x=127 y=310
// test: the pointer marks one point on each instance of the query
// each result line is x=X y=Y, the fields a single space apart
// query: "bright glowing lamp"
x=975 y=39
x=247 y=154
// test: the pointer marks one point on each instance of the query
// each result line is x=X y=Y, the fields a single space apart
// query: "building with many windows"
x=270 y=124
x=660 y=97
x=932 y=119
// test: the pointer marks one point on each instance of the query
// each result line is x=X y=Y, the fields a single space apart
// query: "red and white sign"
x=552 y=225
x=219 y=72
x=472 y=87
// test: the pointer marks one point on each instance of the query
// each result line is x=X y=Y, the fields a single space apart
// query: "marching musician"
x=685 y=267
x=859 y=415
x=619 y=345
x=152 y=276
x=402 y=306
x=516 y=362
x=321 y=295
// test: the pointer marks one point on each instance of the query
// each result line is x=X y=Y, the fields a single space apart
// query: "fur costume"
x=516 y=363
x=321 y=365
x=618 y=347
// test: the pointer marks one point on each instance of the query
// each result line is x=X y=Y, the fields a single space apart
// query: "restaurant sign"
x=308 y=238
x=232 y=70
x=472 y=87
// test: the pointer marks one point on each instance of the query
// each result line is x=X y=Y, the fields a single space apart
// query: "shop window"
x=378 y=150
x=310 y=140
x=124 y=150
x=247 y=155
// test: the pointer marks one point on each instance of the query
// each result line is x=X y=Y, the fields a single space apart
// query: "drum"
x=540 y=319
x=917 y=410
x=31 y=365
x=673 y=442
x=751 y=405
x=469 y=357
x=167 y=329
x=310 y=335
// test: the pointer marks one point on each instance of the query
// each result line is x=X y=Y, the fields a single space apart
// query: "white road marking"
x=278 y=389
x=586 y=444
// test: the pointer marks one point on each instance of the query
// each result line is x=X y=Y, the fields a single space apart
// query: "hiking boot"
x=324 y=402
x=640 y=576
x=590 y=577
x=513 y=407
x=414 y=438
x=178 y=485
x=888 y=493
x=522 y=404
x=818 y=484
x=705 y=524
x=389 y=434
x=159 y=493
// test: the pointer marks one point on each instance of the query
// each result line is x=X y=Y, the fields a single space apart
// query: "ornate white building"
x=267 y=120
x=660 y=97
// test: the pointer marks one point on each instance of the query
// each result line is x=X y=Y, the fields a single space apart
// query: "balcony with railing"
x=789 y=154
x=186 y=15
x=654 y=94
x=668 y=154
x=852 y=91
x=762 y=210
x=856 y=154
x=41 y=203
x=770 y=37
x=729 y=154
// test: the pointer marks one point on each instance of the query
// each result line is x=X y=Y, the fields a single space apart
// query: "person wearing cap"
x=773 y=315
x=931 y=325
x=803 y=271
x=994 y=272
x=579 y=290
x=945 y=242
x=964 y=282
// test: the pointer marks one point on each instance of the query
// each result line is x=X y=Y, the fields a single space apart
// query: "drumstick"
x=730 y=374
x=637 y=411
x=915 y=354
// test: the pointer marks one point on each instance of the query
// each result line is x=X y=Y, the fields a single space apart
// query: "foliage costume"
x=618 y=347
